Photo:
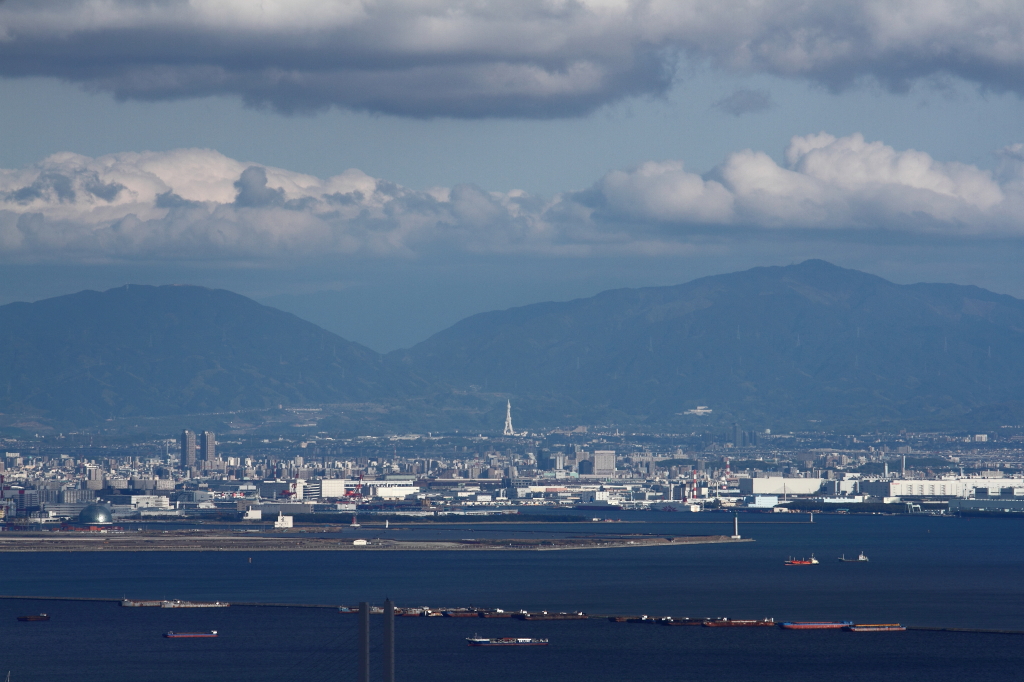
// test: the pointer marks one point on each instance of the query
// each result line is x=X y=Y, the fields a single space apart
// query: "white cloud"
x=193 y=204
x=531 y=58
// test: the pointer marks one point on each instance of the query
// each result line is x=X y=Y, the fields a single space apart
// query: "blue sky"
x=385 y=168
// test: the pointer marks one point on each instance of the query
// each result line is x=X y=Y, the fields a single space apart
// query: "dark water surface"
x=924 y=571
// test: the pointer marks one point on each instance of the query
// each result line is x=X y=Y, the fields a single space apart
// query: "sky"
x=385 y=168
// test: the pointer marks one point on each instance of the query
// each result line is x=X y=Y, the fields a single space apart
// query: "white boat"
x=860 y=558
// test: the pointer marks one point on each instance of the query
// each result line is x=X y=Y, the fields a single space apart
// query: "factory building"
x=945 y=487
x=780 y=486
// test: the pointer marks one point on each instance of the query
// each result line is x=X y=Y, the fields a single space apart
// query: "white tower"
x=508 y=420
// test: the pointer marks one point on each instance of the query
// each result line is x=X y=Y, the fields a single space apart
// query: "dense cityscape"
x=49 y=480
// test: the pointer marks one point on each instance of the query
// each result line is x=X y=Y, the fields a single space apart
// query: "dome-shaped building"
x=95 y=515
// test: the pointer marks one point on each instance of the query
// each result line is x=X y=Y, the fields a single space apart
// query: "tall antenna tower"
x=509 y=431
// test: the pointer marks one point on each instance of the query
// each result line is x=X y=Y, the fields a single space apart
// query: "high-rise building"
x=207 y=446
x=604 y=462
x=188 y=449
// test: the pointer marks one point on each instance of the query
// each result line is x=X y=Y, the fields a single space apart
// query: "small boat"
x=728 y=623
x=190 y=635
x=816 y=625
x=860 y=558
x=801 y=562
x=32 y=619
x=875 y=627
x=477 y=640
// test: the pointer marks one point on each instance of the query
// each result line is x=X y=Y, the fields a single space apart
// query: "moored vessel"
x=141 y=602
x=875 y=627
x=477 y=640
x=190 y=635
x=683 y=621
x=179 y=604
x=816 y=625
x=544 y=615
x=730 y=623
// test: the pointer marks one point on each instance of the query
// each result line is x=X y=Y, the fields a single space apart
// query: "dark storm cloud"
x=512 y=58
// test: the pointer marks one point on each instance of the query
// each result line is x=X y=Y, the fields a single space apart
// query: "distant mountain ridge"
x=811 y=341
x=154 y=350
x=810 y=344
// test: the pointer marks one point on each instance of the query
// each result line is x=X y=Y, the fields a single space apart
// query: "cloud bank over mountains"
x=504 y=58
x=197 y=204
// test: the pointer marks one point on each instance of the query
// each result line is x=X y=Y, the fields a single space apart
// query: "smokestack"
x=389 y=641
x=364 y=642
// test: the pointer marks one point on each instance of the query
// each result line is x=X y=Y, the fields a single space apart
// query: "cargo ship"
x=179 y=604
x=190 y=635
x=477 y=640
x=141 y=602
x=495 y=613
x=801 y=562
x=32 y=619
x=860 y=558
x=544 y=615
x=729 y=623
x=460 y=613
x=816 y=625
x=875 y=627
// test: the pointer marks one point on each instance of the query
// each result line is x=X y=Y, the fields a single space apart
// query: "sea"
x=924 y=571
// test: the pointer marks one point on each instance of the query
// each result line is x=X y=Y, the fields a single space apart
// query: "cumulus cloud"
x=528 y=58
x=198 y=204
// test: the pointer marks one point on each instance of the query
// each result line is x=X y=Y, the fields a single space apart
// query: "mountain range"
x=800 y=346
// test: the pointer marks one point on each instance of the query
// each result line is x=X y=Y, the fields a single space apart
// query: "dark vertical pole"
x=364 y=642
x=389 y=641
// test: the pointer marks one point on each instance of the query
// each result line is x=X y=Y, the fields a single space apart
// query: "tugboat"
x=860 y=558
x=801 y=562
x=32 y=619
x=477 y=640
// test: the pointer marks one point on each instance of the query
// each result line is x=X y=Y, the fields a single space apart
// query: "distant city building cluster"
x=50 y=480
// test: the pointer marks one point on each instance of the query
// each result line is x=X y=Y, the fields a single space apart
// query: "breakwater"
x=524 y=615
x=221 y=542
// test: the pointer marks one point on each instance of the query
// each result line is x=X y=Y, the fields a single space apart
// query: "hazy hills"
x=143 y=350
x=782 y=344
x=769 y=347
